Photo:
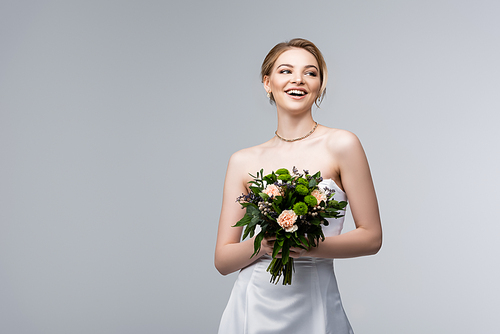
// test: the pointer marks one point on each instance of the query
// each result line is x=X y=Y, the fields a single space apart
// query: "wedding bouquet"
x=290 y=207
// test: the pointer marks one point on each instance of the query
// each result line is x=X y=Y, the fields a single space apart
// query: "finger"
x=296 y=254
x=278 y=256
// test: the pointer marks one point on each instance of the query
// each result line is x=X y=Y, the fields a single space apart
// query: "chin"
x=296 y=109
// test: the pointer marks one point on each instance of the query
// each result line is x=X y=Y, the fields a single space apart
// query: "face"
x=294 y=80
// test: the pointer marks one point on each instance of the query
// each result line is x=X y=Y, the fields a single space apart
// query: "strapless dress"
x=310 y=305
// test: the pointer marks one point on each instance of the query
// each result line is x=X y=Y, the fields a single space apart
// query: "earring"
x=268 y=95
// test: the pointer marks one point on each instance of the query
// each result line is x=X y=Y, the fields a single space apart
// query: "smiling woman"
x=299 y=44
x=294 y=76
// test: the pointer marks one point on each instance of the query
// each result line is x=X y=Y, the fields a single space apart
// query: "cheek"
x=275 y=86
x=318 y=87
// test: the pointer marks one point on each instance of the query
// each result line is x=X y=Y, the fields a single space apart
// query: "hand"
x=267 y=246
x=296 y=252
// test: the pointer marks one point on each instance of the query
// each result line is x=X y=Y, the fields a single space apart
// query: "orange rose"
x=287 y=220
x=272 y=190
x=319 y=194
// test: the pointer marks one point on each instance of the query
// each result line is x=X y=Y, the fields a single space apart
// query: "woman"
x=294 y=75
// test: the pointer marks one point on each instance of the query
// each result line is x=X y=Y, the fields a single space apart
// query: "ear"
x=266 y=83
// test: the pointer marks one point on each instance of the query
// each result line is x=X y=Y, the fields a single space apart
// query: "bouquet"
x=290 y=207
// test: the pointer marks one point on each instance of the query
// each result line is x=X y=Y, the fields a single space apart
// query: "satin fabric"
x=311 y=304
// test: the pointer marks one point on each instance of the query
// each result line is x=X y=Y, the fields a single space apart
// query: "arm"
x=231 y=254
x=357 y=182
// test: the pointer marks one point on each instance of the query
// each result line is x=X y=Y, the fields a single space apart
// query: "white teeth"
x=296 y=92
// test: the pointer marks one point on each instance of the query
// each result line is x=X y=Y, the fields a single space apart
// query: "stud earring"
x=268 y=95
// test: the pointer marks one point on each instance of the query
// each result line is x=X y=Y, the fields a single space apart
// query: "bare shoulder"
x=243 y=156
x=241 y=160
x=340 y=141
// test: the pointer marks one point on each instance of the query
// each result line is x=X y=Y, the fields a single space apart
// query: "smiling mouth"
x=296 y=92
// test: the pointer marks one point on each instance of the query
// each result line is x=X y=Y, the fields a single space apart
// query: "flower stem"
x=277 y=269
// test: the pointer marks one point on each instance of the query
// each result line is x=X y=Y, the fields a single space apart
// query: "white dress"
x=310 y=305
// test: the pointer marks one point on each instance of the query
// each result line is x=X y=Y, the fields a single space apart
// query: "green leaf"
x=244 y=221
x=248 y=205
x=304 y=241
x=310 y=238
x=257 y=243
x=276 y=209
x=312 y=183
x=270 y=178
x=276 y=249
x=255 y=190
x=263 y=228
x=255 y=219
x=295 y=242
x=248 y=230
x=253 y=210
x=257 y=184
x=315 y=221
x=264 y=196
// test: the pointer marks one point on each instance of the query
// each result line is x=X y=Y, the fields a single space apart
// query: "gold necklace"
x=295 y=139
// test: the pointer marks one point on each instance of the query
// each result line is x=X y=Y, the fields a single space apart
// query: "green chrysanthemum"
x=282 y=171
x=302 y=190
x=302 y=181
x=300 y=208
x=311 y=200
x=284 y=177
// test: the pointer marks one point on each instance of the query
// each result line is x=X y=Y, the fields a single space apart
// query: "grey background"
x=118 y=119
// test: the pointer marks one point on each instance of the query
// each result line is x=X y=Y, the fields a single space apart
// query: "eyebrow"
x=288 y=65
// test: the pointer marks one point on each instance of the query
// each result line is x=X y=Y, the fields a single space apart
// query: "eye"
x=284 y=71
x=313 y=74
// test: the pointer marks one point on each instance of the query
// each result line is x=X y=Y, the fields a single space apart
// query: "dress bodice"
x=336 y=224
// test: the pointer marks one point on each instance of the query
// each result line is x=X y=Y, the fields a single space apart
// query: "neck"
x=294 y=126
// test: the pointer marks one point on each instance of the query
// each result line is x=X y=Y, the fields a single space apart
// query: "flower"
x=272 y=190
x=302 y=189
x=311 y=200
x=300 y=208
x=302 y=181
x=284 y=177
x=287 y=219
x=282 y=171
x=319 y=194
x=292 y=229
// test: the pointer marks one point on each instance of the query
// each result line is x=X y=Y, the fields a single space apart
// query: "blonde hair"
x=278 y=49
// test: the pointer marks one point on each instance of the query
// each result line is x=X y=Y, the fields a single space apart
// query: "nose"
x=297 y=78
